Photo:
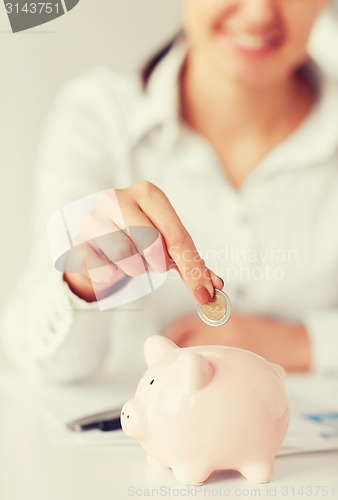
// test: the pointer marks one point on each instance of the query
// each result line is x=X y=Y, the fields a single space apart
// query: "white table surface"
x=31 y=468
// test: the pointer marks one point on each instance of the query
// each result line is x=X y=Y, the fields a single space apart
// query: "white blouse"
x=274 y=241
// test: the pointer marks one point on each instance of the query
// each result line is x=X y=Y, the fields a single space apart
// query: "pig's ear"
x=196 y=369
x=279 y=369
x=158 y=347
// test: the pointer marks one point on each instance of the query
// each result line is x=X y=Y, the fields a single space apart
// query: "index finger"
x=180 y=246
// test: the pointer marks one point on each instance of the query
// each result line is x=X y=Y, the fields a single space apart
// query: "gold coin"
x=216 y=309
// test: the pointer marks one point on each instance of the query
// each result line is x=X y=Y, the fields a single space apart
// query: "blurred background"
x=35 y=64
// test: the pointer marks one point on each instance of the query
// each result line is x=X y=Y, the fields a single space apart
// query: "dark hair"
x=148 y=68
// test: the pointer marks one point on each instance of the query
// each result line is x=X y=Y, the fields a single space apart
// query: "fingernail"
x=202 y=295
x=221 y=281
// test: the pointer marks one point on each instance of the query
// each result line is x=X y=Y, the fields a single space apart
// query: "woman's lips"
x=255 y=44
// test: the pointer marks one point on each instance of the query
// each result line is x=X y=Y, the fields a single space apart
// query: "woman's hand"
x=284 y=343
x=131 y=231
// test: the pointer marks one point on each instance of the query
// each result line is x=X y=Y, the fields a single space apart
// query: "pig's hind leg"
x=258 y=471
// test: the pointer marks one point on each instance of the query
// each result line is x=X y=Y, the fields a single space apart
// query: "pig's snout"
x=133 y=419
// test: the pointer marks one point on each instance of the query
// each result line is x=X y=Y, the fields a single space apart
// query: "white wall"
x=33 y=66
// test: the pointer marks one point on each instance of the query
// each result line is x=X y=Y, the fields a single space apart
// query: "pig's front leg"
x=155 y=463
x=191 y=474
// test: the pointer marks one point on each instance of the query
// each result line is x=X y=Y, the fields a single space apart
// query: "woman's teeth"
x=252 y=41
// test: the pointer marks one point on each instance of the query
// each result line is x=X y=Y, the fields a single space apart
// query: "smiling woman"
x=247 y=56
x=258 y=42
x=228 y=125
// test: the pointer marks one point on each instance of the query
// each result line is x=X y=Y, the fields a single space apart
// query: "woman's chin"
x=248 y=77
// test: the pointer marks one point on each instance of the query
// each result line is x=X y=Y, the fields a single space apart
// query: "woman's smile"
x=250 y=42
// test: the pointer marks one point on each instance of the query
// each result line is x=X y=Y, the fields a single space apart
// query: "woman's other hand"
x=284 y=343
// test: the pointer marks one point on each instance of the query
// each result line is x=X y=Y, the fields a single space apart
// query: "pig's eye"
x=151 y=382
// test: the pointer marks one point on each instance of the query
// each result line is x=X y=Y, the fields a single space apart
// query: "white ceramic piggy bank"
x=207 y=408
